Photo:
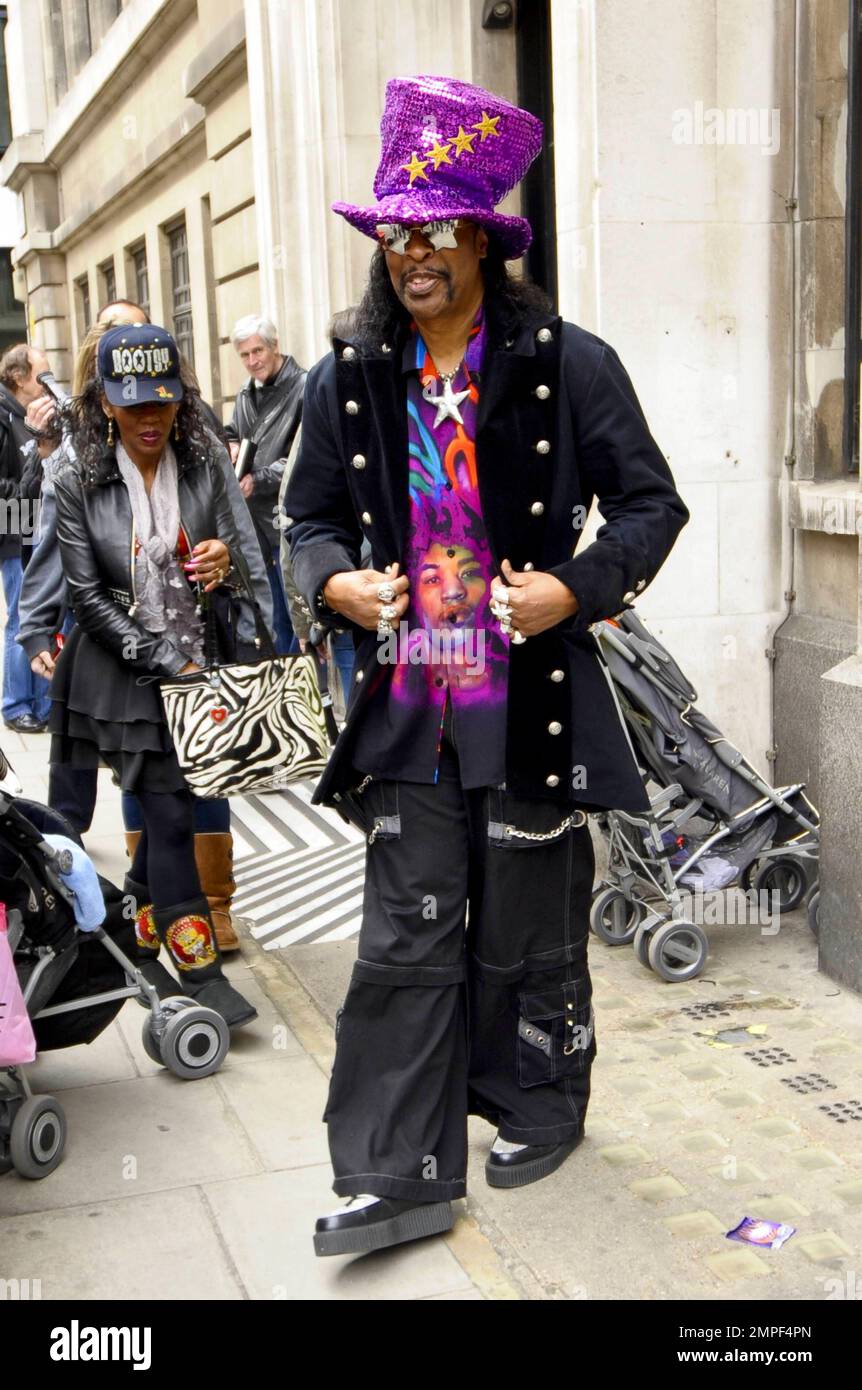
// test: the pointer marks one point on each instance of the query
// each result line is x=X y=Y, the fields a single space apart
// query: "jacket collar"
x=107 y=470
x=287 y=373
x=508 y=331
x=12 y=403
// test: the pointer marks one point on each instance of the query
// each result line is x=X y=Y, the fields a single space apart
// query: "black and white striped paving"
x=299 y=868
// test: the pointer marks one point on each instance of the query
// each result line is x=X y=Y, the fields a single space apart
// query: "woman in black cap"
x=144 y=525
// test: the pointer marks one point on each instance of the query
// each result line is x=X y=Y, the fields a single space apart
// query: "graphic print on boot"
x=187 y=931
x=147 y=943
x=191 y=943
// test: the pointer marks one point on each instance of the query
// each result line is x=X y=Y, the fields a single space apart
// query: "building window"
x=82 y=305
x=138 y=258
x=181 y=297
x=57 y=49
x=108 y=279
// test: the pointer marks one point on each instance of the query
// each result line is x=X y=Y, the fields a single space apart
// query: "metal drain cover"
x=770 y=1057
x=843 y=1111
x=808 y=1081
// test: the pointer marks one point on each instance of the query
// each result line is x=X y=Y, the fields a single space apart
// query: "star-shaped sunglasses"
x=395 y=236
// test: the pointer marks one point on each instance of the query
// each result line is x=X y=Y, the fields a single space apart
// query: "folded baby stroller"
x=74 y=982
x=714 y=823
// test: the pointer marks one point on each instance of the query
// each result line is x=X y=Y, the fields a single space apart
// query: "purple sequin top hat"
x=450 y=150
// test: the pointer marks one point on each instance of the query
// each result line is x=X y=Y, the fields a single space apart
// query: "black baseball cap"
x=140 y=362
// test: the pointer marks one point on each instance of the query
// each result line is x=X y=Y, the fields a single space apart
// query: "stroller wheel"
x=194 y=1043
x=678 y=951
x=613 y=918
x=814 y=912
x=154 y=1024
x=38 y=1137
x=786 y=877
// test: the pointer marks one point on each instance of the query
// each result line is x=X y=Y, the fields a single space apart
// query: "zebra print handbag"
x=248 y=726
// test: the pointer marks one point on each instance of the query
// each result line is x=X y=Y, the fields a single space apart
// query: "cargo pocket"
x=353 y=807
x=371 y=807
x=517 y=822
x=555 y=1032
x=385 y=819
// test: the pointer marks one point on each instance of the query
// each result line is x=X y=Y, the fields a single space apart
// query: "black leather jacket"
x=95 y=531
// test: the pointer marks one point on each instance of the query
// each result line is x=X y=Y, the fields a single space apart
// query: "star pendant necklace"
x=447 y=404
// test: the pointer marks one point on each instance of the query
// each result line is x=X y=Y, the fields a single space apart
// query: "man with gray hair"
x=266 y=414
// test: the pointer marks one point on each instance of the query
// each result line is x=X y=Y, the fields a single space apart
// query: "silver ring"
x=386 y=592
x=387 y=612
x=384 y=629
x=500 y=596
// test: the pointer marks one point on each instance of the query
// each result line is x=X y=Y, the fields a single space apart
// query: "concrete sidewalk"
x=215 y=1185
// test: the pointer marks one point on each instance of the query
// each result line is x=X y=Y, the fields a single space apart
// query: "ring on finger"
x=387 y=612
x=386 y=592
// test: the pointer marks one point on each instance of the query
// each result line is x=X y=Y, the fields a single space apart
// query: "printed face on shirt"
x=430 y=282
x=452 y=584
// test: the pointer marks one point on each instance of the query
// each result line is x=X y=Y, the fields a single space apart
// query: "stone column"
x=840 y=940
x=317 y=74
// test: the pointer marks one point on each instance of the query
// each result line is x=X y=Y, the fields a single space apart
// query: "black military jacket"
x=559 y=424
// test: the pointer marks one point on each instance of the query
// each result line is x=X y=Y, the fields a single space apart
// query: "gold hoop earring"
x=110 y=430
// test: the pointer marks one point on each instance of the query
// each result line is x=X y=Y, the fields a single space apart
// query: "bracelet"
x=323 y=607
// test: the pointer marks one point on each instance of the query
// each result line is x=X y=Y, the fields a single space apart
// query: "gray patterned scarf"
x=164 y=602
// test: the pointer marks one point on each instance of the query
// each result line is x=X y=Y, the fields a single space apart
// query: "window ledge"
x=833 y=508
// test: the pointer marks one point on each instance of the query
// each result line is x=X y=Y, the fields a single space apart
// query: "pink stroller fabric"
x=17 y=1043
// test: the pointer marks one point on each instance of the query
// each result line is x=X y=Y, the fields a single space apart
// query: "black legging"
x=165 y=857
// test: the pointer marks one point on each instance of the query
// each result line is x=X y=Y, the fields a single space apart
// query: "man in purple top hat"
x=463 y=430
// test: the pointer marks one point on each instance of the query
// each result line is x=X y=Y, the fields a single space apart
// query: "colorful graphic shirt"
x=448 y=646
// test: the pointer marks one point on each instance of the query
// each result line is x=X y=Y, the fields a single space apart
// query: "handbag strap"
x=263 y=638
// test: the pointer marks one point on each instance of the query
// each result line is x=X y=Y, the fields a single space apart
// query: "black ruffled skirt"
x=104 y=711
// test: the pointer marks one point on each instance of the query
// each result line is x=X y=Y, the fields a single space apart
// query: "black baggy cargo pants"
x=440 y=1022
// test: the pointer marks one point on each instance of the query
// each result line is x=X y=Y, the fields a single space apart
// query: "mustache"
x=414 y=270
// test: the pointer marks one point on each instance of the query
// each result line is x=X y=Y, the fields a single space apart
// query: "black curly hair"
x=381 y=317
x=88 y=427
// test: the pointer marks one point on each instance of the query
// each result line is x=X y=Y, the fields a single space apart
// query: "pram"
x=74 y=983
x=713 y=823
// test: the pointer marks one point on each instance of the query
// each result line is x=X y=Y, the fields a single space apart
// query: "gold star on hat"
x=439 y=154
x=462 y=141
x=487 y=126
x=416 y=168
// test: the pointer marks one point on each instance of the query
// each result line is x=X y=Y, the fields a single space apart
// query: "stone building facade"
x=697 y=214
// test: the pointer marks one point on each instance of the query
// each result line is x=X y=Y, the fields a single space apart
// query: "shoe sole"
x=428 y=1220
x=241 y=1022
x=524 y=1173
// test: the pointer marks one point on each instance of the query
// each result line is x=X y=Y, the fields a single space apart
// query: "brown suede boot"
x=214 y=858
